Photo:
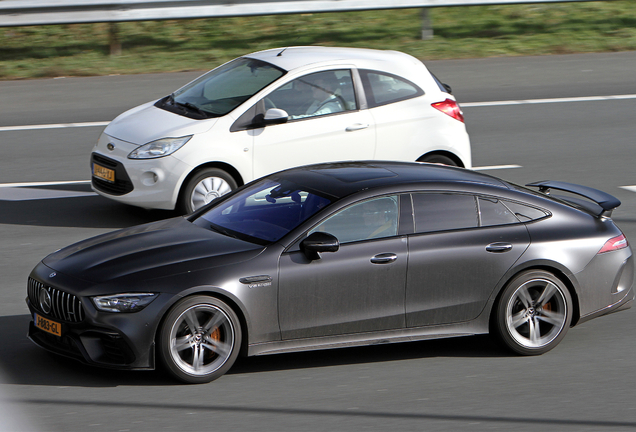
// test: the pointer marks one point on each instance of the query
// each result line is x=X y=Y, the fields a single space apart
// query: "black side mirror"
x=319 y=242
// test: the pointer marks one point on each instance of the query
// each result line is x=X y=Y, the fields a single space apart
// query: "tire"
x=438 y=159
x=199 y=340
x=533 y=313
x=203 y=187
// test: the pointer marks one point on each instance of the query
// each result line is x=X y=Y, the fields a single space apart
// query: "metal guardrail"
x=42 y=12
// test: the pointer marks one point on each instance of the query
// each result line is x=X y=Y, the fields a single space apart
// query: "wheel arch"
x=220 y=165
x=226 y=298
x=552 y=268
x=445 y=153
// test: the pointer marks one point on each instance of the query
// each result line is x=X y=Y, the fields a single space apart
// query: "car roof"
x=295 y=57
x=341 y=179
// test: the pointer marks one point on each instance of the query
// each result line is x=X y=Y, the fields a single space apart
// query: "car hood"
x=147 y=123
x=153 y=250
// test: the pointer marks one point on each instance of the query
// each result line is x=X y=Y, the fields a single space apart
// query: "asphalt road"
x=467 y=384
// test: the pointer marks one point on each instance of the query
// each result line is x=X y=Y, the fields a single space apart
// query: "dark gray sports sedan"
x=336 y=255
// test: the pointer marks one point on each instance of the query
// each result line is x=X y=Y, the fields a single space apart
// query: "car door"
x=359 y=288
x=325 y=124
x=462 y=247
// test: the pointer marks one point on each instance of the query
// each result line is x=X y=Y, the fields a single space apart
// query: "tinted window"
x=264 y=212
x=371 y=219
x=381 y=88
x=439 y=212
x=493 y=212
x=315 y=94
x=525 y=213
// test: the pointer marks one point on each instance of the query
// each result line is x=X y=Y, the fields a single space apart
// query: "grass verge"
x=459 y=32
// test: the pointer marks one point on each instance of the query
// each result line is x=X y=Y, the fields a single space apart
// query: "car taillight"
x=615 y=243
x=450 y=107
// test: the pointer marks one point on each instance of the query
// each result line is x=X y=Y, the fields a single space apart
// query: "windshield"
x=221 y=90
x=264 y=212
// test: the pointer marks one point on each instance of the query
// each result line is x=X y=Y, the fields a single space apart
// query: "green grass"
x=459 y=32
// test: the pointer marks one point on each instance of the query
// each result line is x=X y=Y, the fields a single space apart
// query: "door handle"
x=357 y=126
x=384 y=258
x=499 y=247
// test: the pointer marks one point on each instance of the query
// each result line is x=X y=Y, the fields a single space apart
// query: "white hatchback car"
x=272 y=110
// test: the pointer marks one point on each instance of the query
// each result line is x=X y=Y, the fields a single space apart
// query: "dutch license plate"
x=47 y=325
x=103 y=173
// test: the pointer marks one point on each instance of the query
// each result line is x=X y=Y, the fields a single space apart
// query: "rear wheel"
x=199 y=339
x=203 y=187
x=438 y=159
x=534 y=313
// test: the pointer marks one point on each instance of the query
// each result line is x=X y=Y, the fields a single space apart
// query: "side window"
x=382 y=88
x=493 y=212
x=440 y=212
x=315 y=94
x=376 y=218
x=525 y=213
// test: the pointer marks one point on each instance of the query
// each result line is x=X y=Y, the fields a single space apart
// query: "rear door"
x=462 y=247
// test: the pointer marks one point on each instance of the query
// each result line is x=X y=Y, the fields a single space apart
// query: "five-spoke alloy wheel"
x=533 y=313
x=200 y=339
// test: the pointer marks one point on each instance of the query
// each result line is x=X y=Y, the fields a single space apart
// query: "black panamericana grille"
x=122 y=184
x=64 y=306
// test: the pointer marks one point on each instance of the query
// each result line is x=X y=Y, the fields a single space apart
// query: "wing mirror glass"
x=318 y=242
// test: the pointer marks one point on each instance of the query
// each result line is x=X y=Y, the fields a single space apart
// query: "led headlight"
x=132 y=302
x=159 y=148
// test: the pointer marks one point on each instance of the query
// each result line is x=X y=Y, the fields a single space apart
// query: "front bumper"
x=148 y=183
x=112 y=340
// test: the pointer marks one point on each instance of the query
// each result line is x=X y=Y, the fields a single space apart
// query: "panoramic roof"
x=343 y=178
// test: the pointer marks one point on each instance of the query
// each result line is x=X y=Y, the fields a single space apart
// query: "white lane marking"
x=495 y=167
x=465 y=105
x=545 y=101
x=36 y=184
x=29 y=191
x=27 y=194
x=52 y=126
x=629 y=188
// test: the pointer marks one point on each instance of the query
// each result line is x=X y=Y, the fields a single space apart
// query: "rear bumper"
x=623 y=304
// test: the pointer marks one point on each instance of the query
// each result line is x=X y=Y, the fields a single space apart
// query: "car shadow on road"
x=72 y=205
x=23 y=363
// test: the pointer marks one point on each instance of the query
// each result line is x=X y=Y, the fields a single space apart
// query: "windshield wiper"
x=192 y=107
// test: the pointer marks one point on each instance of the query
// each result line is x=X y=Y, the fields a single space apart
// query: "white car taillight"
x=450 y=107
x=615 y=243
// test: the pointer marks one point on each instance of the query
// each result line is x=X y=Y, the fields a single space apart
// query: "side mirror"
x=319 y=242
x=275 y=116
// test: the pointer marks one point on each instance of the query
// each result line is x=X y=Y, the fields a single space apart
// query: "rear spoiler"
x=605 y=202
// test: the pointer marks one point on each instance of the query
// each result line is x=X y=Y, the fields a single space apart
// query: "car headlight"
x=132 y=302
x=159 y=148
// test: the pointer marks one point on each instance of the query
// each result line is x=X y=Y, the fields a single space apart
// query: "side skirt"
x=477 y=326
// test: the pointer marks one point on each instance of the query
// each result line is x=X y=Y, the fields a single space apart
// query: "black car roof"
x=340 y=179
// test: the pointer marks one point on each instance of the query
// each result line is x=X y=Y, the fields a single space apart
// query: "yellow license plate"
x=47 y=325
x=103 y=173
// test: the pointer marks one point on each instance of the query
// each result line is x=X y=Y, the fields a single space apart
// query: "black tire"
x=206 y=185
x=438 y=159
x=533 y=313
x=199 y=340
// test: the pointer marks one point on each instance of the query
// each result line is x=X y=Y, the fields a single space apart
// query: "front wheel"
x=199 y=340
x=203 y=187
x=534 y=313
